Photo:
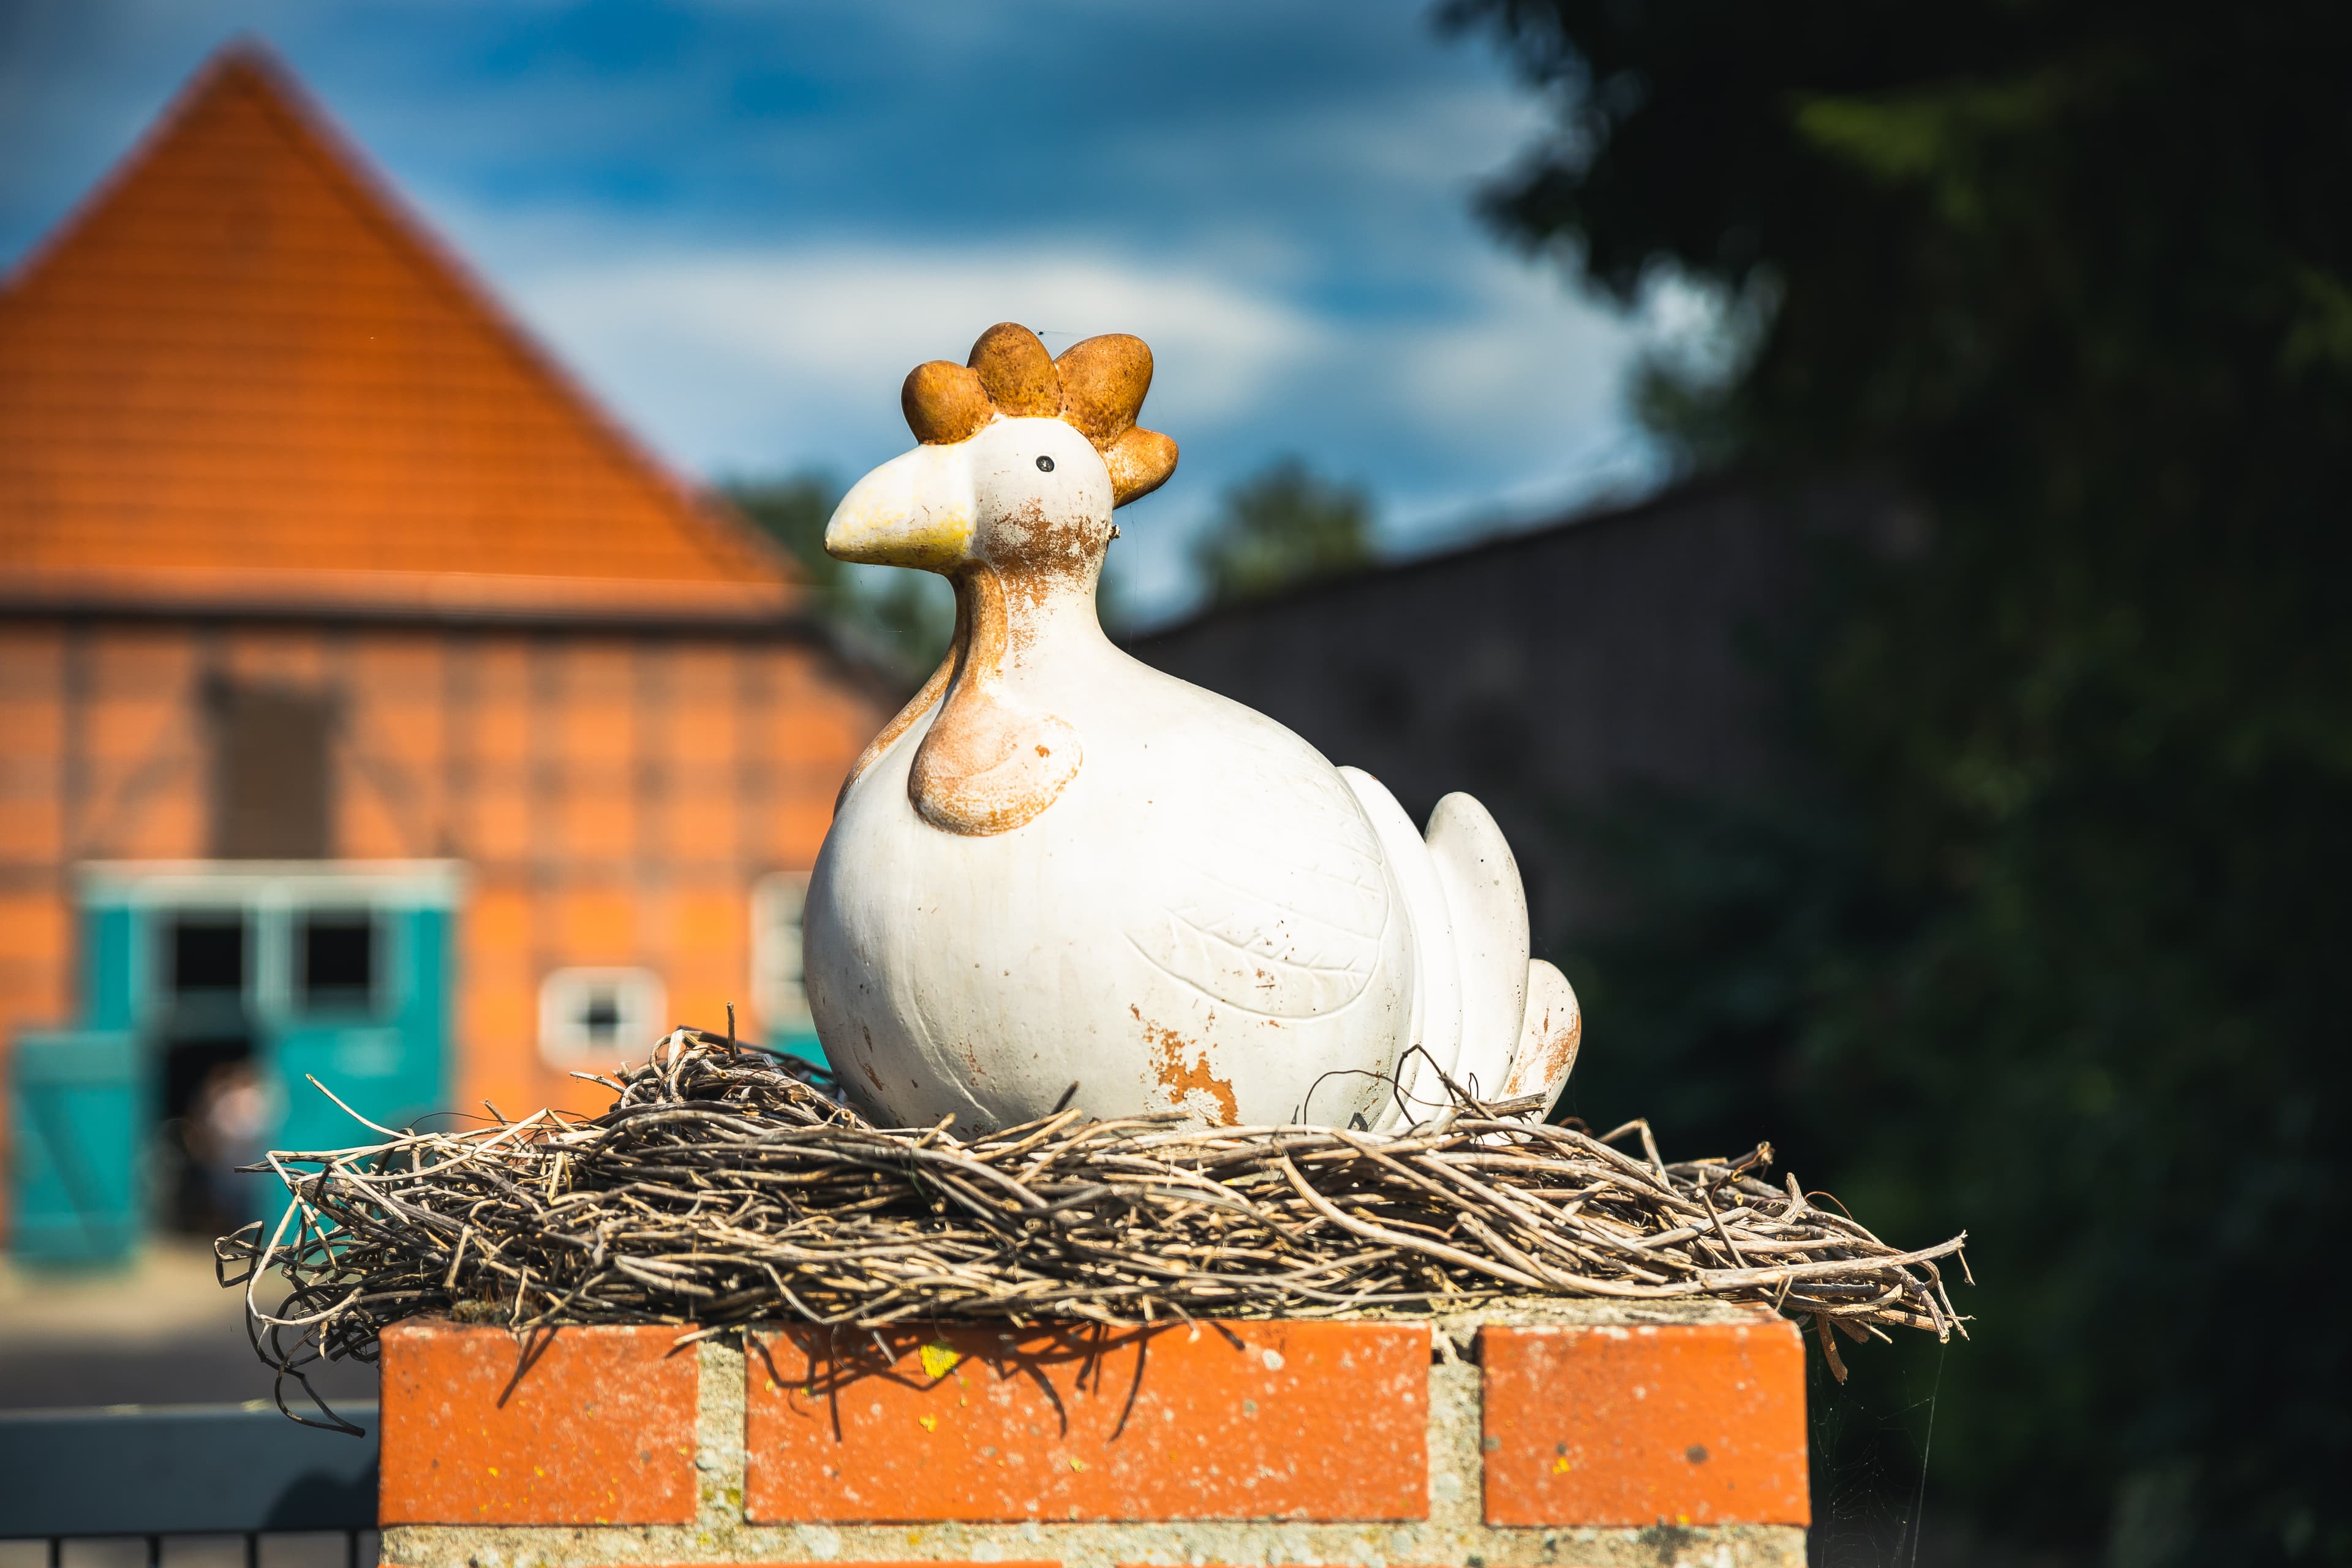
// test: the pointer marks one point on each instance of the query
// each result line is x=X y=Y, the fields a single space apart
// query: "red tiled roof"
x=242 y=375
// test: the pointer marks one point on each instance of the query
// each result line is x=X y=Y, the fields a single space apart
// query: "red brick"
x=584 y=1425
x=1681 y=1423
x=1282 y=1420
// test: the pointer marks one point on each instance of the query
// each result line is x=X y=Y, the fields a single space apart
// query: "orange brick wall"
x=1290 y=1441
x=33 y=979
x=615 y=796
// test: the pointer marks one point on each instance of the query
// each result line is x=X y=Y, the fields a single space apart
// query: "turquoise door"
x=337 y=973
x=384 y=1055
x=79 y=1100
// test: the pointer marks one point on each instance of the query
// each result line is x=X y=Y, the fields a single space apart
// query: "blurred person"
x=227 y=1127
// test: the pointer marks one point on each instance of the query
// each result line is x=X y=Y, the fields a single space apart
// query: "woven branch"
x=724 y=1186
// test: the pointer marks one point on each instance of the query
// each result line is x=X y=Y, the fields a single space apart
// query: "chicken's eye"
x=1044 y=465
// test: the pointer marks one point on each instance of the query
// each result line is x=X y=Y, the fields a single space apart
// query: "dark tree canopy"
x=793 y=510
x=1282 y=526
x=902 y=618
x=2052 y=950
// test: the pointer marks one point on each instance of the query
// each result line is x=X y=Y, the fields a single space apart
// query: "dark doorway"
x=211 y=1095
x=271 y=778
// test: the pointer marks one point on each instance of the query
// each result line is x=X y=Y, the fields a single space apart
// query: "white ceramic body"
x=1203 y=920
x=1062 y=877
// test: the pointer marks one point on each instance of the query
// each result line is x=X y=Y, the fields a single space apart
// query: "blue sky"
x=741 y=224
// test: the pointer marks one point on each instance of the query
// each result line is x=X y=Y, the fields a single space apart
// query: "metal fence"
x=179 y=1486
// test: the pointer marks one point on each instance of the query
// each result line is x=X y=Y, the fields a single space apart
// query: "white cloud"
x=1530 y=358
x=726 y=357
x=1499 y=401
x=720 y=354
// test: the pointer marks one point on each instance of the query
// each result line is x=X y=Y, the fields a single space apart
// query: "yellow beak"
x=914 y=510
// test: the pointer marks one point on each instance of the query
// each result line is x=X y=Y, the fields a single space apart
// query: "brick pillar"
x=1556 y=1434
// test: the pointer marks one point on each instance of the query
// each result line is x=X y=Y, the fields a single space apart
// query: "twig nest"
x=725 y=1186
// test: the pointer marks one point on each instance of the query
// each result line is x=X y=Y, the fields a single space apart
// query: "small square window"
x=337 y=950
x=206 y=953
x=594 y=1017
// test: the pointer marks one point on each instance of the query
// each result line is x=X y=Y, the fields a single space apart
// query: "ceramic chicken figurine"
x=1059 y=866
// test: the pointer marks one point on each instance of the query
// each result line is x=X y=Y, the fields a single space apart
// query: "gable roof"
x=242 y=376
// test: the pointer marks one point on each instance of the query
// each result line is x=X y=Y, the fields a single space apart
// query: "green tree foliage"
x=1282 y=526
x=793 y=510
x=2050 y=948
x=904 y=618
